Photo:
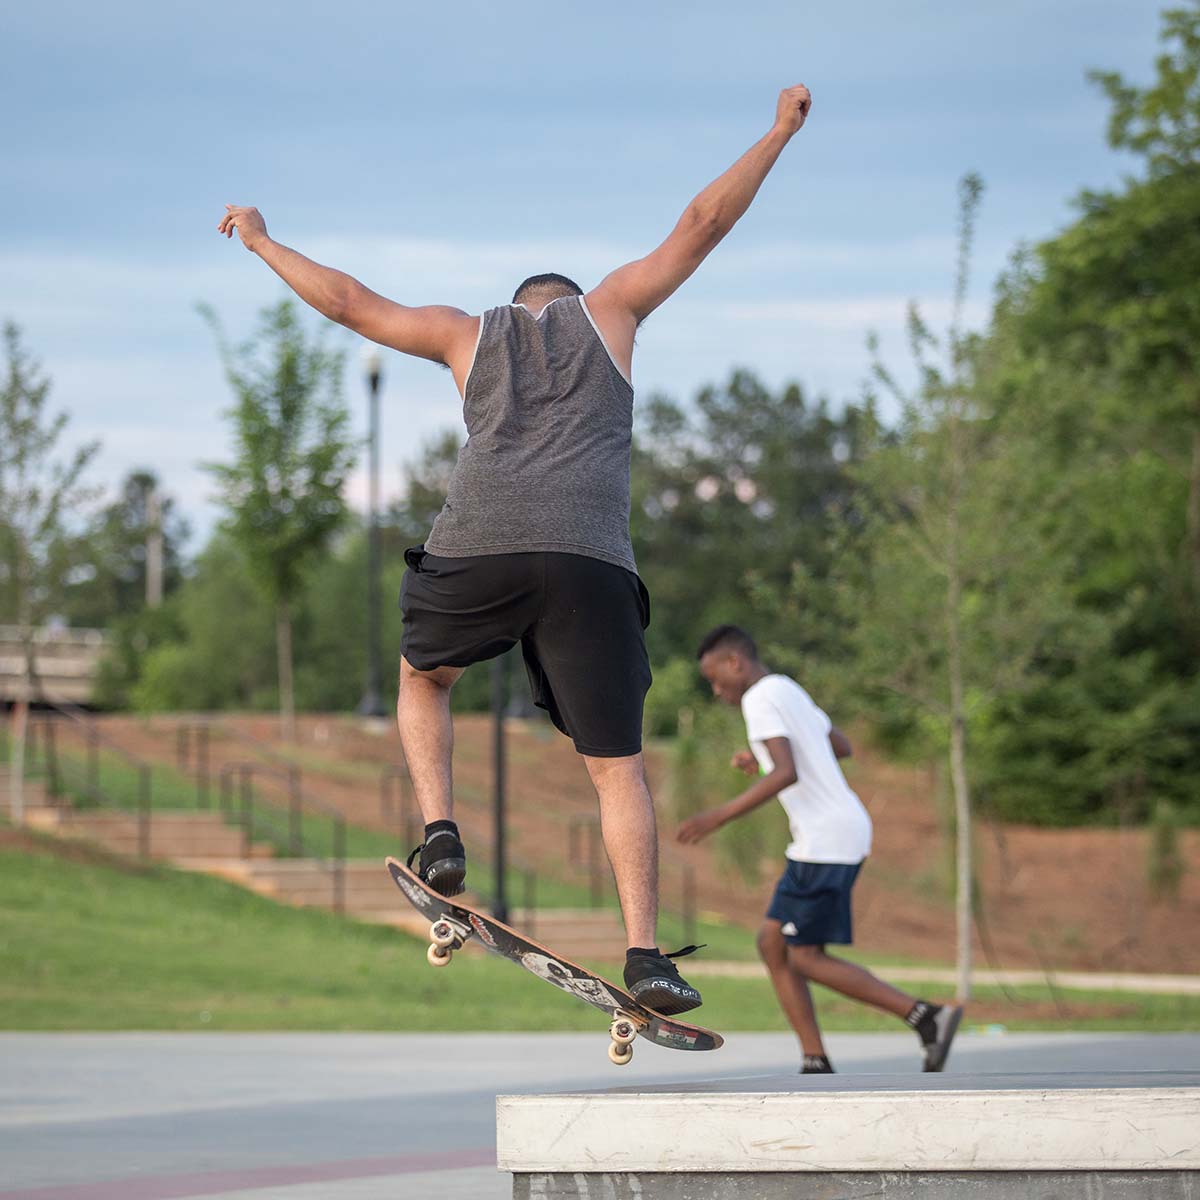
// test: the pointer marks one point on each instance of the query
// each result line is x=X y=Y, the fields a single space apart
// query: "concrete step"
x=931 y=1137
x=172 y=835
x=33 y=790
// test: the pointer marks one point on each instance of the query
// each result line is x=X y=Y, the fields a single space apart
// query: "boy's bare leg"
x=791 y=988
x=849 y=979
x=427 y=734
x=631 y=839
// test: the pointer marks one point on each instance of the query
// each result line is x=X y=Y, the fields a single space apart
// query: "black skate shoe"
x=816 y=1064
x=936 y=1026
x=654 y=980
x=443 y=863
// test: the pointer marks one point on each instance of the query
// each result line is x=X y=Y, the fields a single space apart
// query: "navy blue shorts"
x=812 y=903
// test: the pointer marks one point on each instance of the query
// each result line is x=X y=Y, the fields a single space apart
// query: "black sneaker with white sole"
x=937 y=1034
x=654 y=980
x=443 y=862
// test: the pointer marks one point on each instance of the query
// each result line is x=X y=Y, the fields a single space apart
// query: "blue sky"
x=443 y=152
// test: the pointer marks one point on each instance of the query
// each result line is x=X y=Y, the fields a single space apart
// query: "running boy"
x=797 y=747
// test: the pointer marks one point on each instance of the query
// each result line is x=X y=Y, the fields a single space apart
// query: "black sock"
x=923 y=1018
x=651 y=952
x=440 y=827
x=816 y=1064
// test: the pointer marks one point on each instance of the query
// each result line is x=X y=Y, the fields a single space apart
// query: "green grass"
x=92 y=942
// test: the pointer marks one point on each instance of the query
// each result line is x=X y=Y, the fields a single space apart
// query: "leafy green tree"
x=955 y=591
x=1162 y=122
x=217 y=652
x=740 y=489
x=1123 y=280
x=428 y=475
x=1102 y=329
x=331 y=626
x=39 y=491
x=283 y=492
x=109 y=576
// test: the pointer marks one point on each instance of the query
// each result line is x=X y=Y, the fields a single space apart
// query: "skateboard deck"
x=452 y=923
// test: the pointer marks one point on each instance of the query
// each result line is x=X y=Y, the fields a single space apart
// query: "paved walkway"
x=379 y=1116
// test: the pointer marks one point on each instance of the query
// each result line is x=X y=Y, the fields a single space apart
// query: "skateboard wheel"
x=623 y=1031
x=439 y=956
x=619 y=1055
x=441 y=933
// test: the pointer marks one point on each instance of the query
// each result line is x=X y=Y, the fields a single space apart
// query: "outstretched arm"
x=781 y=775
x=632 y=292
x=435 y=332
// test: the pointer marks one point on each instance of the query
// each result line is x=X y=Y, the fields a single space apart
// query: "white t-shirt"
x=829 y=823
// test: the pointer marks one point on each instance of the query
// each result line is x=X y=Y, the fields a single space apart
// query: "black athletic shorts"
x=580 y=622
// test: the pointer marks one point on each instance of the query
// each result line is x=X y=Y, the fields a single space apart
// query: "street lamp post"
x=371 y=705
x=499 y=817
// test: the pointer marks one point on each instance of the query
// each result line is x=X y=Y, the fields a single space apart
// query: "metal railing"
x=239 y=802
x=397 y=802
x=64 y=723
x=585 y=852
x=192 y=756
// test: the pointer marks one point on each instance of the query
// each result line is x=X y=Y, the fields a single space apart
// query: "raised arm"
x=631 y=293
x=437 y=332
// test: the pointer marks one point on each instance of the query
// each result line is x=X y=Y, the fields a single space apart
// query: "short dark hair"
x=537 y=285
x=732 y=636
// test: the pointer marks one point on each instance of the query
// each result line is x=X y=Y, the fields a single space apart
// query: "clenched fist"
x=792 y=110
x=745 y=762
x=247 y=221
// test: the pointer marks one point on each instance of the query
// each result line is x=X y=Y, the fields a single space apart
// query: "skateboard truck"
x=623 y=1031
x=445 y=936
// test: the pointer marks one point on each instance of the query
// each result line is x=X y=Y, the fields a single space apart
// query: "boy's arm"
x=781 y=775
x=625 y=298
x=840 y=743
x=436 y=332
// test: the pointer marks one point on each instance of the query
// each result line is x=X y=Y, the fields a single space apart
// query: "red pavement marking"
x=205 y=1183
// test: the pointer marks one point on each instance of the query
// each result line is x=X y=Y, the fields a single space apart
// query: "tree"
x=38 y=491
x=428 y=480
x=216 y=650
x=1103 y=325
x=112 y=557
x=956 y=591
x=283 y=493
x=1131 y=264
x=739 y=489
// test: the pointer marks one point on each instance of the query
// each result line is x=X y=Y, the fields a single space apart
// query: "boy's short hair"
x=731 y=637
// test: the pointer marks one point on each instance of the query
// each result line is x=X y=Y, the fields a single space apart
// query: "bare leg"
x=426 y=732
x=631 y=839
x=849 y=979
x=791 y=988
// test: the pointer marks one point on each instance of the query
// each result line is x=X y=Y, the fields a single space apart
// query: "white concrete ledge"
x=989 y=1128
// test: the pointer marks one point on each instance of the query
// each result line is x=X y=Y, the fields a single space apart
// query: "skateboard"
x=452 y=923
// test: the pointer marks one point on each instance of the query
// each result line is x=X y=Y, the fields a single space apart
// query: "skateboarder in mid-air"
x=795 y=748
x=533 y=543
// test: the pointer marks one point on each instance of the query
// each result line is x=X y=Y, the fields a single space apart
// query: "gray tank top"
x=549 y=428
